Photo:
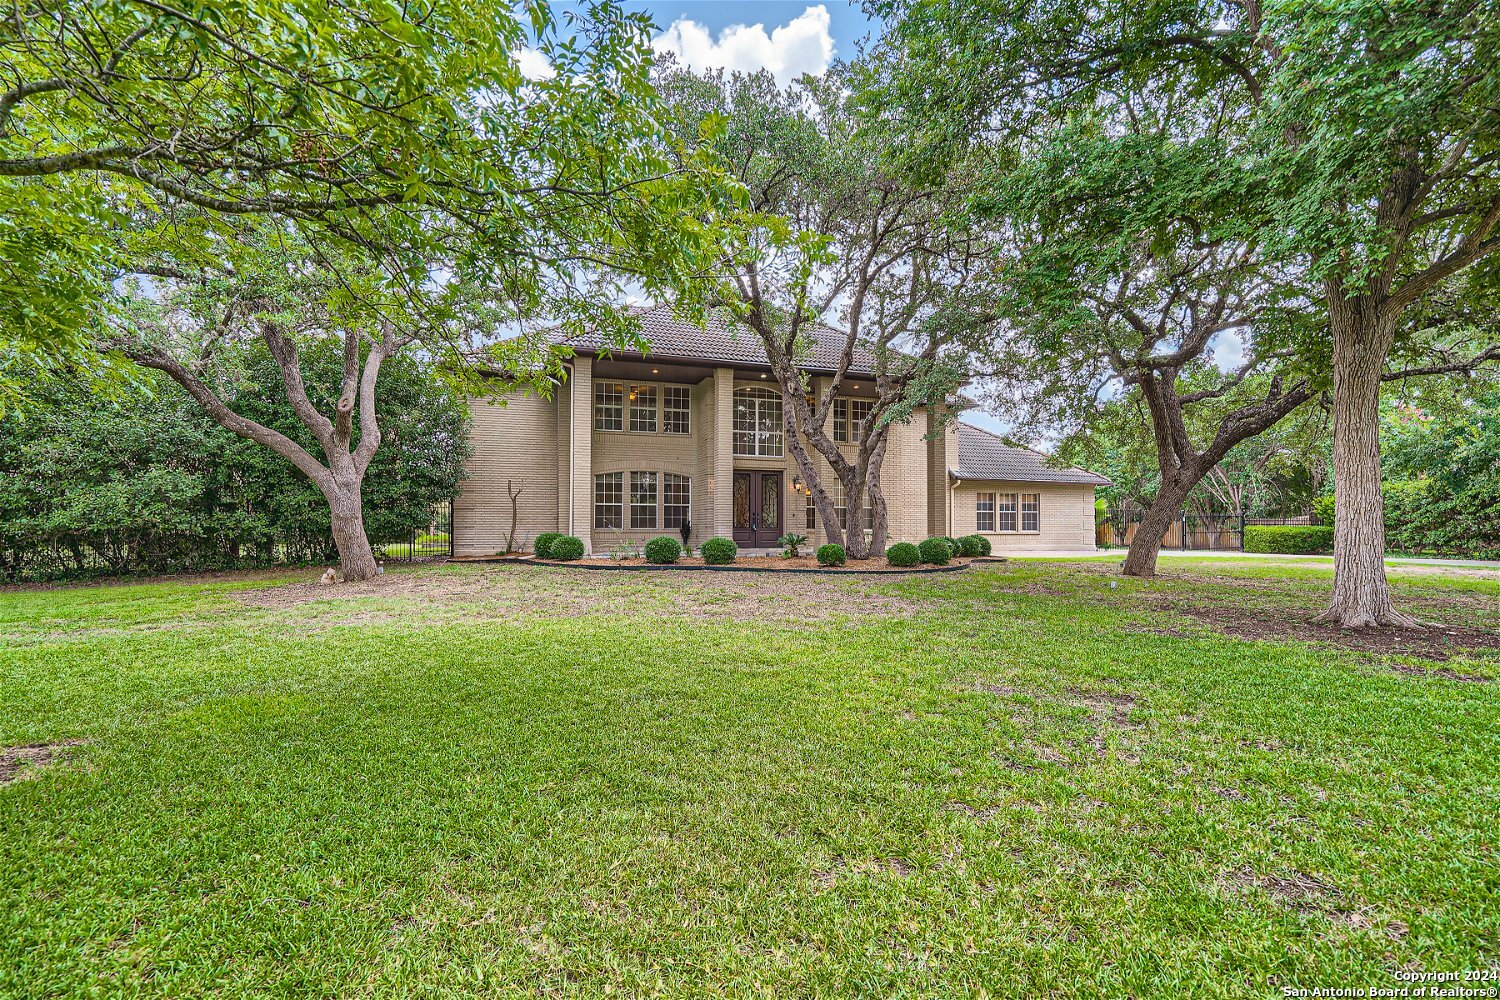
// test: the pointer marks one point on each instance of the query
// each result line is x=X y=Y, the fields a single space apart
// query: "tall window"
x=643 y=408
x=848 y=415
x=643 y=499
x=1031 y=512
x=757 y=423
x=676 y=404
x=1005 y=512
x=609 y=406
x=676 y=498
x=984 y=512
x=609 y=500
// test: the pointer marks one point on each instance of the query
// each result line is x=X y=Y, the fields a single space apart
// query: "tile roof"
x=984 y=456
x=724 y=341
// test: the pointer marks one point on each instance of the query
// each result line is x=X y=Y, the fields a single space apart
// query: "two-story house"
x=632 y=445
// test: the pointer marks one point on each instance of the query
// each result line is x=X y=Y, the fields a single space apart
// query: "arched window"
x=757 y=423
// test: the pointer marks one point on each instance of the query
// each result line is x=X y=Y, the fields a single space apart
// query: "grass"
x=488 y=781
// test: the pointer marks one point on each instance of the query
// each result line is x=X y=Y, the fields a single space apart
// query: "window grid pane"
x=1031 y=512
x=1006 y=511
x=757 y=423
x=643 y=499
x=841 y=420
x=859 y=411
x=609 y=500
x=609 y=406
x=676 y=499
x=676 y=405
x=643 y=408
x=984 y=512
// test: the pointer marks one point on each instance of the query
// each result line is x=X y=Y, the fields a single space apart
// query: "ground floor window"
x=609 y=500
x=1005 y=512
x=643 y=499
x=1031 y=512
x=676 y=497
x=984 y=512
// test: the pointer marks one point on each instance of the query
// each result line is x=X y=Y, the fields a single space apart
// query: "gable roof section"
x=725 y=341
x=984 y=456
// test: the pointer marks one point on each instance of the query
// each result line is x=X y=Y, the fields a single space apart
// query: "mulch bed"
x=1435 y=642
x=750 y=564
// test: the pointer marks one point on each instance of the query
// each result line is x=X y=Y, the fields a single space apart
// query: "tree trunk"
x=1361 y=594
x=356 y=558
x=1140 y=560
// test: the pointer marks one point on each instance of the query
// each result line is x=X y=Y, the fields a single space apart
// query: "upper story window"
x=609 y=406
x=848 y=415
x=676 y=405
x=643 y=408
x=758 y=431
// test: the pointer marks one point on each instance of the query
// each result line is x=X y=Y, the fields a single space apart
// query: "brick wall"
x=1067 y=516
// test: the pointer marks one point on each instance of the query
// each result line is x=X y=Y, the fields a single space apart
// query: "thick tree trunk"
x=1140 y=560
x=356 y=558
x=1361 y=594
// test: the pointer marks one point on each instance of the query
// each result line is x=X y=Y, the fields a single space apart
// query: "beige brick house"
x=632 y=445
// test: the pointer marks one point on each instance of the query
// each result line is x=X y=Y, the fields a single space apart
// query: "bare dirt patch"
x=501 y=591
x=1298 y=890
x=1436 y=642
x=20 y=763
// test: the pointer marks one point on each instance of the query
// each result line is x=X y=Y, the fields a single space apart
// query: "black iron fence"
x=433 y=540
x=1190 y=532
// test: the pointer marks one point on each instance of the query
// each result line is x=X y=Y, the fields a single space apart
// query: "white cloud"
x=534 y=65
x=1228 y=350
x=802 y=45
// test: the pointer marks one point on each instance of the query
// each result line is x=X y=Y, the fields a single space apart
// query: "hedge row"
x=1288 y=539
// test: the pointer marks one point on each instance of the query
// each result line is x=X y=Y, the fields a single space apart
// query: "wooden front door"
x=757 y=509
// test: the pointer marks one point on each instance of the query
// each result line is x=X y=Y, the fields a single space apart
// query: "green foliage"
x=543 y=544
x=935 y=551
x=903 y=554
x=145 y=481
x=392 y=129
x=663 y=549
x=953 y=547
x=973 y=545
x=1292 y=539
x=831 y=554
x=719 y=551
x=1322 y=510
x=566 y=549
x=793 y=543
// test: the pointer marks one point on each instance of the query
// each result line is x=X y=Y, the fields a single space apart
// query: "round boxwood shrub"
x=719 y=551
x=971 y=546
x=935 y=551
x=663 y=549
x=981 y=545
x=903 y=554
x=953 y=546
x=831 y=554
x=567 y=548
x=543 y=544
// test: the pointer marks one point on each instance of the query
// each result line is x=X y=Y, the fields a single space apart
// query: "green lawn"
x=495 y=780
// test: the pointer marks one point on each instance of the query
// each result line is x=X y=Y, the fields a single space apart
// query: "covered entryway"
x=757 y=509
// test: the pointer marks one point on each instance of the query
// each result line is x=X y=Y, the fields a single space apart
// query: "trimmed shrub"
x=935 y=551
x=903 y=554
x=831 y=554
x=983 y=543
x=971 y=546
x=663 y=549
x=566 y=548
x=543 y=544
x=1288 y=539
x=719 y=551
x=953 y=546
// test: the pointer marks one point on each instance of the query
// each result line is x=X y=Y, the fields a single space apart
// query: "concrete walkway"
x=1390 y=560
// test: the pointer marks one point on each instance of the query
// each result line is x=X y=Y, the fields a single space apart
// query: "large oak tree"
x=1364 y=132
